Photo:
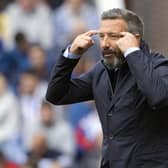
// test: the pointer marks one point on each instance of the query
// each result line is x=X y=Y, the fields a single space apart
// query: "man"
x=130 y=89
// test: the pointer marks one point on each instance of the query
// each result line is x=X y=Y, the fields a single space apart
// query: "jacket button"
x=109 y=114
x=111 y=137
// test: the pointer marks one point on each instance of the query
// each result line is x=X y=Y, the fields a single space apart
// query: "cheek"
x=117 y=49
x=113 y=44
x=101 y=43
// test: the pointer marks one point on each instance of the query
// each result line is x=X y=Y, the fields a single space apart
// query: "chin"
x=112 y=63
x=111 y=60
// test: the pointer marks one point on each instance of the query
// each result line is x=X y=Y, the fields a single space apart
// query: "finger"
x=129 y=34
x=91 y=33
x=85 y=43
x=89 y=39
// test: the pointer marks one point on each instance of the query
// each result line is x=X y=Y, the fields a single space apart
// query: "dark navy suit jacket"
x=134 y=117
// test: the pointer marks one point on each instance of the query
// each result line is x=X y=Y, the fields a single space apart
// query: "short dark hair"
x=134 y=22
x=19 y=37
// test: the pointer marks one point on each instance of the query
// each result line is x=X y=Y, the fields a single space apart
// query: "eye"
x=114 y=36
x=101 y=36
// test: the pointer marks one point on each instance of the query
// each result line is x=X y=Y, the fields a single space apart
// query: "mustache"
x=109 y=51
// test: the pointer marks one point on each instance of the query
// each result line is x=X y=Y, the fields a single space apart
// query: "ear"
x=138 y=37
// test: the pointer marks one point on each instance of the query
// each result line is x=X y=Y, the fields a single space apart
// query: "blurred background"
x=33 y=33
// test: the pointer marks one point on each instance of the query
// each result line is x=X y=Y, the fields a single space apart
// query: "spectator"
x=75 y=16
x=76 y=112
x=32 y=18
x=16 y=61
x=38 y=61
x=89 y=138
x=40 y=151
x=10 y=123
x=31 y=93
x=9 y=111
x=59 y=135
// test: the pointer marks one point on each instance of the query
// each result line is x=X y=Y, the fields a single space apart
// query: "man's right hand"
x=82 y=42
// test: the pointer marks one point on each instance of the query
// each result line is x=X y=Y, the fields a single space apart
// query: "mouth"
x=109 y=55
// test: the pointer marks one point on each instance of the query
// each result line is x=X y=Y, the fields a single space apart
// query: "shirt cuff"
x=69 y=55
x=130 y=50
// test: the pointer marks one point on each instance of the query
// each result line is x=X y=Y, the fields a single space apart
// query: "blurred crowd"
x=34 y=133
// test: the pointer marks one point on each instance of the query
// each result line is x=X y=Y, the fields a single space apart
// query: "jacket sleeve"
x=64 y=90
x=151 y=75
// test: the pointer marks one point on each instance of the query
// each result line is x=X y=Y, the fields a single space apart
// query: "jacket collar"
x=144 y=47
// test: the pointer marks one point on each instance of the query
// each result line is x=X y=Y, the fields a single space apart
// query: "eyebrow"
x=111 y=34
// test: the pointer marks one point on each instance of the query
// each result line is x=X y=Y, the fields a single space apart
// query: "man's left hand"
x=128 y=40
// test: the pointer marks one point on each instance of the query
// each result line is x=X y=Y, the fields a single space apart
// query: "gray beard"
x=116 y=63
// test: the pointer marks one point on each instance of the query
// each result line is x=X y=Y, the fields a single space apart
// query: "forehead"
x=113 y=25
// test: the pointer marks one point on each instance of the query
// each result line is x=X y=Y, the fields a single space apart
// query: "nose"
x=105 y=42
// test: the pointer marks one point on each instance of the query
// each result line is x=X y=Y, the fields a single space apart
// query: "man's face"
x=109 y=34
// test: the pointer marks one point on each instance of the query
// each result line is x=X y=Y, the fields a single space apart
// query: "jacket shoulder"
x=98 y=68
x=159 y=59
